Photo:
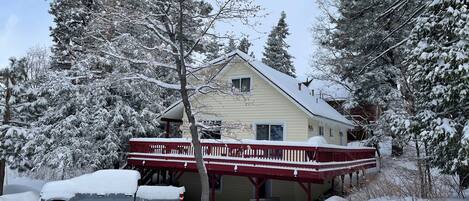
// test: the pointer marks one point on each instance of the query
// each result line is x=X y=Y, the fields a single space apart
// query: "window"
x=321 y=131
x=341 y=134
x=272 y=132
x=330 y=132
x=213 y=132
x=242 y=84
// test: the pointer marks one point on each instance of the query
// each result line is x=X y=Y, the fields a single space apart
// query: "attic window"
x=241 y=84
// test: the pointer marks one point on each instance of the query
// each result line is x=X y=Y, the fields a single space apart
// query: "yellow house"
x=260 y=104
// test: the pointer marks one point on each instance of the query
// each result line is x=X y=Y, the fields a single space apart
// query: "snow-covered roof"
x=289 y=85
x=313 y=105
x=101 y=182
x=159 y=192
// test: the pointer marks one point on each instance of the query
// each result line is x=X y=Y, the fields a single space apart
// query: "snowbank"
x=26 y=196
x=317 y=140
x=159 y=192
x=100 y=182
x=335 y=198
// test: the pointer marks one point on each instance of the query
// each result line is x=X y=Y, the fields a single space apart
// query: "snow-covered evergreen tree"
x=94 y=104
x=438 y=50
x=231 y=46
x=244 y=45
x=70 y=19
x=276 y=49
x=352 y=34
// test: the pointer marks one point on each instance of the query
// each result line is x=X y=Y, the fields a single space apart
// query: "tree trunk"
x=182 y=73
x=427 y=169
x=2 y=175
x=420 y=169
x=6 y=120
x=463 y=174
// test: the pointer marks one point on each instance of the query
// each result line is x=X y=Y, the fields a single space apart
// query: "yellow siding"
x=264 y=104
x=313 y=130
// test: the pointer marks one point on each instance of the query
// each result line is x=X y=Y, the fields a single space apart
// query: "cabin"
x=258 y=139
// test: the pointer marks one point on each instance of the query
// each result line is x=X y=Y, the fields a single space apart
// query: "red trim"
x=294 y=163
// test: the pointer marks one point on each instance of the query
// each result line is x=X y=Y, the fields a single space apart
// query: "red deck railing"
x=270 y=159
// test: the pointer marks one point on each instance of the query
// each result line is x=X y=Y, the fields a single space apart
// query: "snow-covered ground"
x=396 y=180
x=20 y=188
x=15 y=183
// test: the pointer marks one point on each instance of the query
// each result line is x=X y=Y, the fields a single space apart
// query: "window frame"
x=330 y=132
x=240 y=78
x=270 y=123
x=321 y=131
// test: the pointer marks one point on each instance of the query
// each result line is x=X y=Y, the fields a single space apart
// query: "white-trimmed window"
x=330 y=132
x=272 y=132
x=341 y=134
x=321 y=131
x=242 y=84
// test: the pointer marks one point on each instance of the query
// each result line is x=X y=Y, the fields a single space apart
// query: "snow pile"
x=100 y=182
x=159 y=192
x=26 y=196
x=16 y=183
x=317 y=140
x=336 y=198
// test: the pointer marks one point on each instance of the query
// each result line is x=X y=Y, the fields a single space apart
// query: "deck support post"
x=307 y=189
x=342 y=177
x=212 y=187
x=333 y=184
x=158 y=172
x=351 y=179
x=358 y=178
x=257 y=182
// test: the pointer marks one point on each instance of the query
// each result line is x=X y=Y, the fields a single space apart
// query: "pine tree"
x=438 y=50
x=244 y=45
x=19 y=107
x=231 y=46
x=70 y=19
x=276 y=50
x=361 y=31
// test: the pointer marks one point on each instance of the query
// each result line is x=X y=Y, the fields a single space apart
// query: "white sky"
x=25 y=23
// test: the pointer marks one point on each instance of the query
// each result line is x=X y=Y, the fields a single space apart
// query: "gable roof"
x=312 y=105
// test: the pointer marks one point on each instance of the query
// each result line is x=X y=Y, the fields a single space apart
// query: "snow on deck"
x=312 y=143
x=101 y=182
x=160 y=192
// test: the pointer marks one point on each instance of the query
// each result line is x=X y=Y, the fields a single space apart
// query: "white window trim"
x=273 y=122
x=241 y=77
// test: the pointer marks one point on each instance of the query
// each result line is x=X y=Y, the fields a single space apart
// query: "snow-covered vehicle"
x=108 y=185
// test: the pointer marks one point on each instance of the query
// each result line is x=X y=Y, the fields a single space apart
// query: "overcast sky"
x=25 y=23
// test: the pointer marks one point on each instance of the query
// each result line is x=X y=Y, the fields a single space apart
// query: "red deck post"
x=257 y=182
x=307 y=189
x=358 y=178
x=212 y=187
x=351 y=179
x=342 y=177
